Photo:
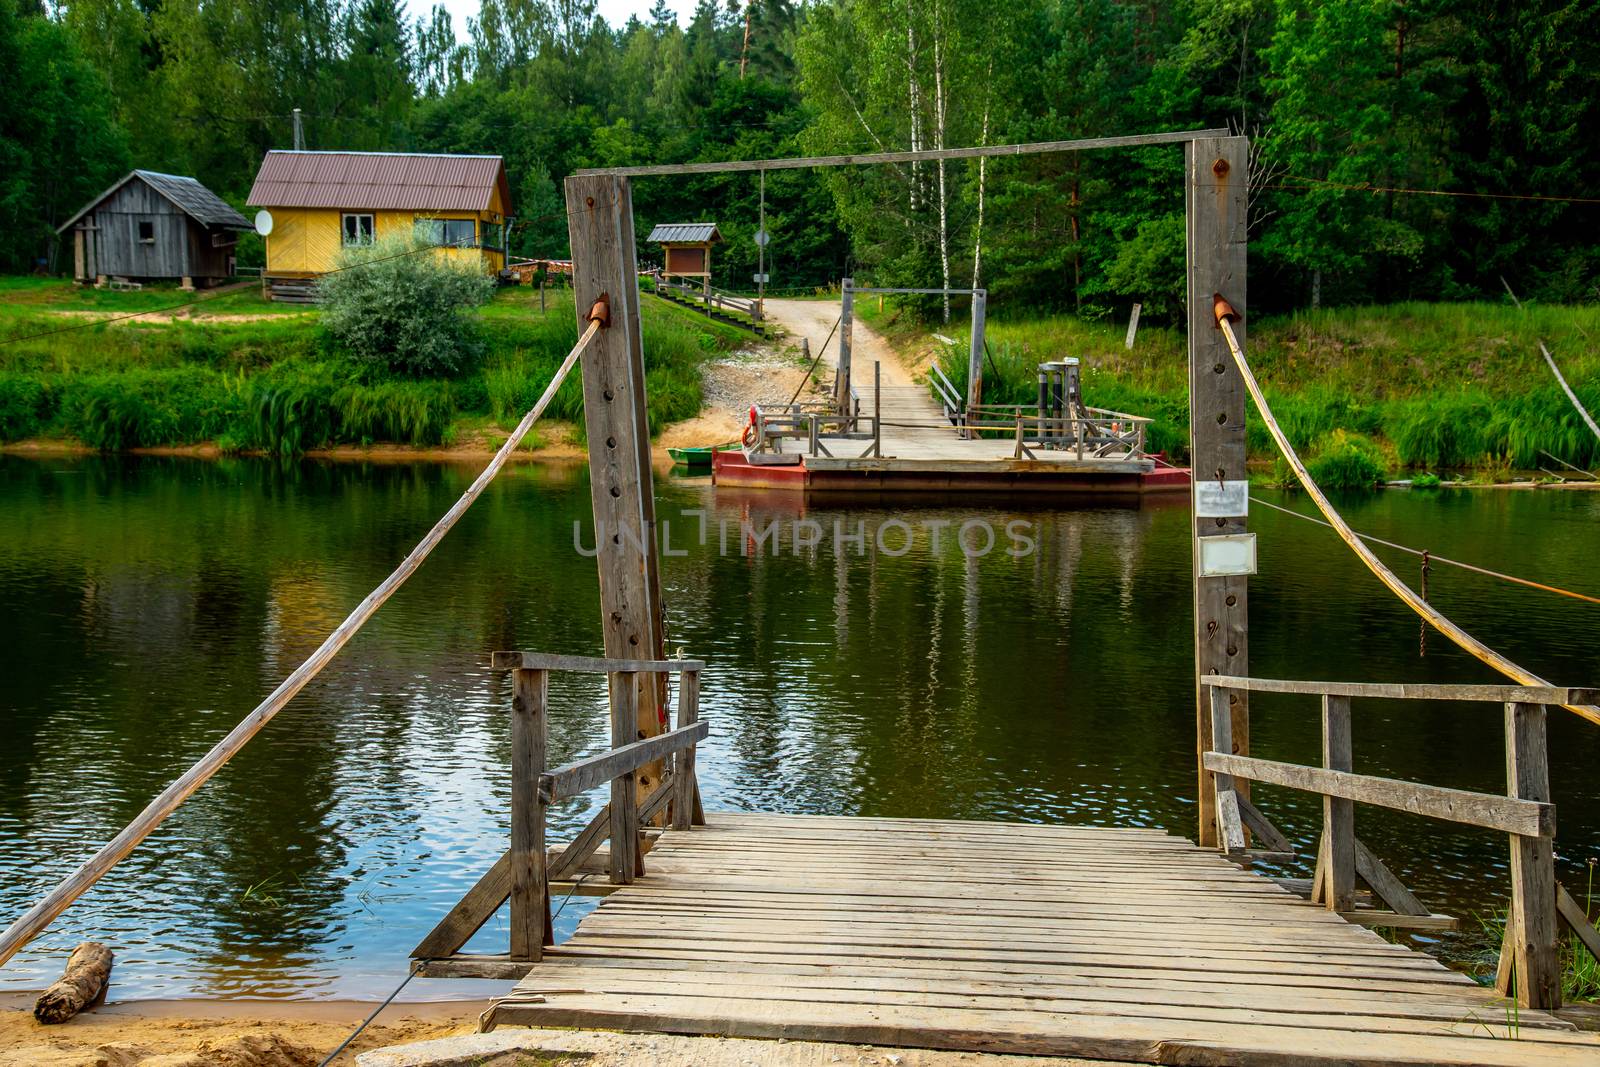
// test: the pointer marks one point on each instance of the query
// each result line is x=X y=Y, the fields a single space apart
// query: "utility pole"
x=761 y=254
x=299 y=133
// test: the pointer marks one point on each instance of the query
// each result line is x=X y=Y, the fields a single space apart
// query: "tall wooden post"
x=975 y=350
x=605 y=264
x=1216 y=187
x=841 y=381
x=1338 y=856
x=1530 y=968
x=530 y=895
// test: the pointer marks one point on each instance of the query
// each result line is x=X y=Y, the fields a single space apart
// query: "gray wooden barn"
x=155 y=227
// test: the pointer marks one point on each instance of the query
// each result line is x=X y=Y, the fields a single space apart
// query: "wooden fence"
x=1529 y=966
x=526 y=870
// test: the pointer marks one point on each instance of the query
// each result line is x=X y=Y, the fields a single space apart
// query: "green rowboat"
x=698 y=457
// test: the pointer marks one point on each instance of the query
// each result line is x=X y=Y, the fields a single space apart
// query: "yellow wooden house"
x=314 y=205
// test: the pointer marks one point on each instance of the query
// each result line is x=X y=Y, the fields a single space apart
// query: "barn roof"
x=188 y=195
x=685 y=233
x=379 y=181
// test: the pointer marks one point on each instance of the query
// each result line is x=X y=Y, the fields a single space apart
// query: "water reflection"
x=150 y=603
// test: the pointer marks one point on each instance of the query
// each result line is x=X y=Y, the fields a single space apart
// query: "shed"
x=155 y=227
x=686 y=247
x=320 y=203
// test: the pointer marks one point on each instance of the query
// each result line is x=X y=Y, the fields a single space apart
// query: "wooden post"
x=1217 y=173
x=841 y=383
x=1338 y=816
x=1530 y=964
x=1230 y=827
x=683 y=801
x=624 y=687
x=530 y=896
x=605 y=263
x=975 y=350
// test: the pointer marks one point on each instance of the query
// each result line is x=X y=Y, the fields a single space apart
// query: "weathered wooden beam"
x=1262 y=827
x=658 y=800
x=1535 y=969
x=1577 y=919
x=1216 y=190
x=1230 y=828
x=624 y=797
x=1398 y=921
x=621 y=487
x=581 y=846
x=530 y=902
x=471 y=912
x=1338 y=814
x=1489 y=694
x=1385 y=884
x=505 y=661
x=577 y=778
x=1507 y=814
x=1083 y=144
x=685 y=787
x=501 y=968
x=80 y=985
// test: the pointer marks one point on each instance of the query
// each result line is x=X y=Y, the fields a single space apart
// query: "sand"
x=218 y=1033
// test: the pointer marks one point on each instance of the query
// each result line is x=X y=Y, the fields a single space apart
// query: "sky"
x=615 y=12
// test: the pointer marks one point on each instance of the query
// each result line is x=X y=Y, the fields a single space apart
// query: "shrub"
x=401 y=306
x=291 y=410
x=1425 y=480
x=1347 y=461
x=142 y=408
x=413 y=413
x=26 y=404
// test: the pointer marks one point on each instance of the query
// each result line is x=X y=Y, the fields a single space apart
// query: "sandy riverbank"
x=218 y=1033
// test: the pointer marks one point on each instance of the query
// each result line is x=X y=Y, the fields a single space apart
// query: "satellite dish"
x=264 y=222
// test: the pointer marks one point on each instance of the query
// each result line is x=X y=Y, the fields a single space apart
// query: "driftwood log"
x=88 y=971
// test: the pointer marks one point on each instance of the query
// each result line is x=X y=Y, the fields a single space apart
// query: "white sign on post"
x=1221 y=500
x=762 y=238
x=761 y=279
x=1223 y=555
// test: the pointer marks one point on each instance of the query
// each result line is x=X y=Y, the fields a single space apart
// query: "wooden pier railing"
x=1529 y=966
x=526 y=870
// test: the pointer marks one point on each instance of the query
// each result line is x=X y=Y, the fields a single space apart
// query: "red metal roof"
x=379 y=181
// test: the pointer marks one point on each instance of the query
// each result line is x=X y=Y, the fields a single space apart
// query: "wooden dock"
x=1127 y=944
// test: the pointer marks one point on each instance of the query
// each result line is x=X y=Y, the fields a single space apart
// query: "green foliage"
x=402 y=306
x=1426 y=480
x=59 y=144
x=1347 y=461
x=26 y=404
x=147 y=407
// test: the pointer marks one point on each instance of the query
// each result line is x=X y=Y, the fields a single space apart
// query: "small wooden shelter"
x=154 y=227
x=686 y=247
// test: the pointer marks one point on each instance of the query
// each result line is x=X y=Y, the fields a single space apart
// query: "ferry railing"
x=1529 y=967
x=524 y=873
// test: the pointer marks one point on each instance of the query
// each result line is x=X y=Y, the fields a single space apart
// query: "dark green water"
x=150 y=603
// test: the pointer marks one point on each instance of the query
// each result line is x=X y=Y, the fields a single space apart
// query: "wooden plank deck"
x=1125 y=944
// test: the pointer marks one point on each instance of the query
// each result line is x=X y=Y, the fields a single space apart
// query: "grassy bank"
x=1420 y=386
x=251 y=375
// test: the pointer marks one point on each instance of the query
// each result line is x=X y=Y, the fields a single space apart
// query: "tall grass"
x=275 y=385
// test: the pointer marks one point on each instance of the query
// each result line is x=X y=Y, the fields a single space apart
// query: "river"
x=889 y=669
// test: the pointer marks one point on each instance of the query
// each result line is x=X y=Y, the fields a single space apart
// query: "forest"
x=1416 y=150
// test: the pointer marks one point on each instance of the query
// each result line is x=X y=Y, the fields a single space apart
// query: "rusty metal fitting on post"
x=1223 y=310
x=601 y=312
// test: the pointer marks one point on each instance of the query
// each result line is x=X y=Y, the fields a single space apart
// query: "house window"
x=448 y=233
x=147 y=232
x=493 y=235
x=357 y=230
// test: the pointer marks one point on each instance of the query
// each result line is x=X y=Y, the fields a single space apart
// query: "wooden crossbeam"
x=1573 y=915
x=1262 y=827
x=582 y=846
x=924 y=156
x=470 y=913
x=546 y=661
x=1490 y=694
x=1526 y=818
x=580 y=777
x=1383 y=882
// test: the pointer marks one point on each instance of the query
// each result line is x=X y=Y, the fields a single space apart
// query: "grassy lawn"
x=1429 y=386
x=276 y=383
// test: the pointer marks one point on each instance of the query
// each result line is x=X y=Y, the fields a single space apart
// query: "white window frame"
x=344 y=229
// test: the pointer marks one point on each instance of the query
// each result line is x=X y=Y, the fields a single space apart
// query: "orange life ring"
x=748 y=437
